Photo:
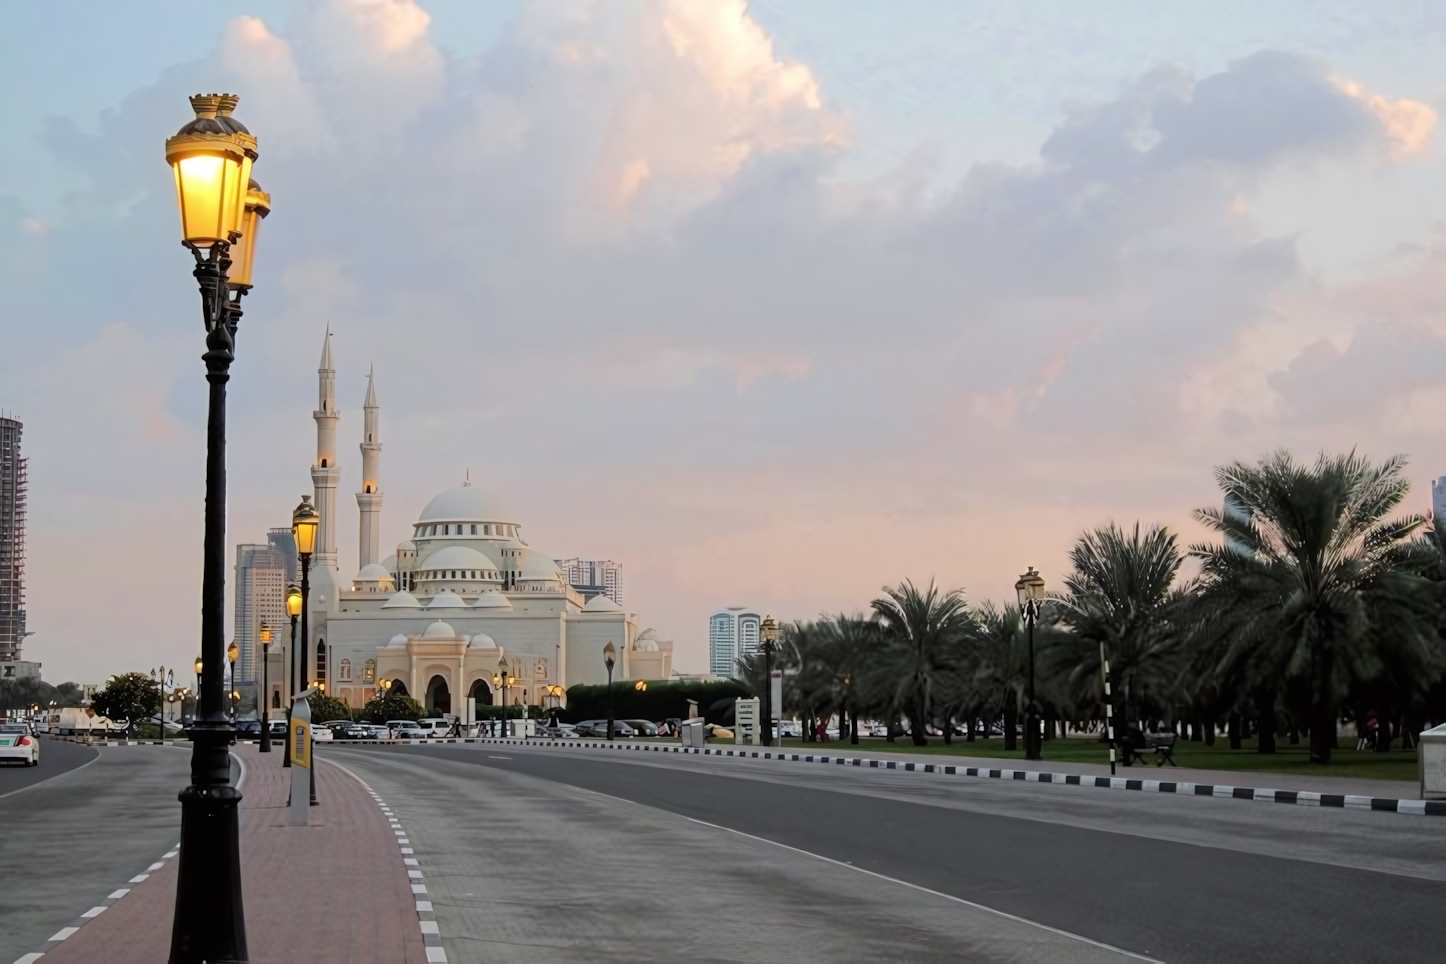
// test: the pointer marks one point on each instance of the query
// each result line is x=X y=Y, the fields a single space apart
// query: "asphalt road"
x=56 y=757
x=66 y=843
x=1180 y=879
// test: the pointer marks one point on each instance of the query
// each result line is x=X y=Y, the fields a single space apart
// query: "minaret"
x=325 y=474
x=369 y=499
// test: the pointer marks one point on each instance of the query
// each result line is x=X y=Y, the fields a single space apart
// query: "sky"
x=773 y=303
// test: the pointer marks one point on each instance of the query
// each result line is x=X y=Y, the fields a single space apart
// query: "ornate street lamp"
x=293 y=610
x=304 y=523
x=265 y=696
x=232 y=652
x=211 y=159
x=768 y=633
x=1030 y=589
x=609 y=657
x=501 y=677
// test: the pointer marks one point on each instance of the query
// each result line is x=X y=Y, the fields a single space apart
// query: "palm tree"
x=1121 y=594
x=919 y=633
x=1303 y=573
x=999 y=667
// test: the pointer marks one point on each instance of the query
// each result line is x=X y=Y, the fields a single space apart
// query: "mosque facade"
x=459 y=596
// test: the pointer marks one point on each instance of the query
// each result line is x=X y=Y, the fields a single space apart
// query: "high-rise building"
x=594 y=577
x=732 y=635
x=12 y=541
x=260 y=597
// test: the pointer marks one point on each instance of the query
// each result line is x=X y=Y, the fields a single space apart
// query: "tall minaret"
x=369 y=499
x=325 y=474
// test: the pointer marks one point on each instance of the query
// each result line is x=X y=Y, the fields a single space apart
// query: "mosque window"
x=344 y=670
x=369 y=670
x=474 y=530
x=321 y=661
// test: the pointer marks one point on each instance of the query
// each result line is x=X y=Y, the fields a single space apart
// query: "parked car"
x=248 y=729
x=347 y=730
x=434 y=726
x=405 y=729
x=642 y=727
x=278 y=729
x=19 y=745
x=374 y=731
x=599 y=728
x=790 y=728
x=321 y=734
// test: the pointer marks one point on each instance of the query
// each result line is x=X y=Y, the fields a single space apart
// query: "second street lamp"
x=304 y=523
x=264 y=697
x=232 y=652
x=609 y=657
x=1030 y=589
x=293 y=610
x=211 y=159
x=768 y=633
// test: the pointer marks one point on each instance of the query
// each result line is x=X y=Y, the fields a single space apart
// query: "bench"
x=1135 y=746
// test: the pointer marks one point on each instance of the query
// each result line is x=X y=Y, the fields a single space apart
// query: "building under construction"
x=12 y=542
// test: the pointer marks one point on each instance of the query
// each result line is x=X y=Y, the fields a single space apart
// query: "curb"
x=1302 y=798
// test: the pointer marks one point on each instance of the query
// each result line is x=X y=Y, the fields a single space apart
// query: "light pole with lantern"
x=232 y=652
x=1030 y=589
x=502 y=679
x=293 y=610
x=304 y=522
x=264 y=697
x=221 y=209
x=768 y=634
x=609 y=657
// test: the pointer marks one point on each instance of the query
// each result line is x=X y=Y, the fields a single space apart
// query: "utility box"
x=1431 y=761
x=745 y=720
x=692 y=732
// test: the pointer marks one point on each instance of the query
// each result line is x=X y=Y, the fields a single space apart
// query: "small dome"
x=407 y=546
x=446 y=600
x=649 y=633
x=492 y=599
x=467 y=503
x=373 y=571
x=482 y=641
x=601 y=604
x=402 y=600
x=390 y=564
x=535 y=565
x=439 y=630
x=645 y=645
x=397 y=642
x=457 y=557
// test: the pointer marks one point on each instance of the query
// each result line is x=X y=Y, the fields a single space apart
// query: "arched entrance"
x=439 y=698
x=481 y=692
x=398 y=688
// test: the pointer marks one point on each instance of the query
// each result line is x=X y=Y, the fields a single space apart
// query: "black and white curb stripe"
x=90 y=915
x=1303 y=798
x=431 y=936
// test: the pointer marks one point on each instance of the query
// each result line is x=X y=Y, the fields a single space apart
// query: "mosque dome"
x=535 y=565
x=466 y=503
x=407 y=545
x=647 y=641
x=373 y=571
x=601 y=604
x=492 y=599
x=439 y=630
x=402 y=600
x=446 y=600
x=397 y=642
x=483 y=641
x=457 y=557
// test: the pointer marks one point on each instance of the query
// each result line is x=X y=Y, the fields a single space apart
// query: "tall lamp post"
x=304 y=522
x=264 y=697
x=293 y=610
x=1030 y=589
x=768 y=633
x=232 y=653
x=609 y=657
x=196 y=702
x=221 y=209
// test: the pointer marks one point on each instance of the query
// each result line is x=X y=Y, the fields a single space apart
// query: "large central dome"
x=466 y=503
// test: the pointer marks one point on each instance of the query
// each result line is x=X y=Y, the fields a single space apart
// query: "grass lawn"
x=1345 y=760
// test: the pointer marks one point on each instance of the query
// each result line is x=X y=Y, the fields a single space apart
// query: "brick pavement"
x=335 y=892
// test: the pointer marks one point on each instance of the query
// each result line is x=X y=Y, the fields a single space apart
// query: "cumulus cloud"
x=614 y=254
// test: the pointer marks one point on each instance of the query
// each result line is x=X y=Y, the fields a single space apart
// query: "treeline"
x=1314 y=604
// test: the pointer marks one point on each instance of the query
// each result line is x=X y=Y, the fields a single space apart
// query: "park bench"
x=1136 y=745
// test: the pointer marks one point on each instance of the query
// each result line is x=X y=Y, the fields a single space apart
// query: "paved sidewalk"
x=335 y=892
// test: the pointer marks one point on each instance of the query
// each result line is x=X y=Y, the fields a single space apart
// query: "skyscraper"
x=594 y=577
x=12 y=541
x=732 y=635
x=260 y=597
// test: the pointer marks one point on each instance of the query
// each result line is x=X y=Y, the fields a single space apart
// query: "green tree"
x=325 y=709
x=919 y=636
x=129 y=697
x=1306 y=567
x=391 y=707
x=998 y=668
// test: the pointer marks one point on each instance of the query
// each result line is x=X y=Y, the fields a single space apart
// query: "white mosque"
x=465 y=591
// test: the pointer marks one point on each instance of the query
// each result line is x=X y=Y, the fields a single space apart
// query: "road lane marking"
x=936 y=893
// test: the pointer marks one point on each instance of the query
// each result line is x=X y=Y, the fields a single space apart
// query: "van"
x=434 y=727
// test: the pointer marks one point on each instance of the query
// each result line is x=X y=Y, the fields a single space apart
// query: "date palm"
x=1307 y=566
x=919 y=636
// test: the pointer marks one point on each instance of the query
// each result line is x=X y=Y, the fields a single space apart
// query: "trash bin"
x=1431 y=761
x=692 y=732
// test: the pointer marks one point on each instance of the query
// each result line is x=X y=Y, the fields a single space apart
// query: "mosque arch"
x=481 y=692
x=398 y=688
x=439 y=697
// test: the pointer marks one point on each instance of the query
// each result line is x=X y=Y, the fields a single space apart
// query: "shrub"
x=663 y=699
x=385 y=708
x=324 y=709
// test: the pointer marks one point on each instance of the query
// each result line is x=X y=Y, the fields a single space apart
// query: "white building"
x=732 y=635
x=593 y=576
x=465 y=591
x=260 y=597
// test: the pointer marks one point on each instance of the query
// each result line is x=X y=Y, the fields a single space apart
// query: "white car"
x=17 y=743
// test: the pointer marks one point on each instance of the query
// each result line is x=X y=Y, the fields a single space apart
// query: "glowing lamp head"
x=293 y=601
x=304 y=522
x=211 y=158
x=265 y=634
x=198 y=666
x=768 y=630
x=1030 y=588
x=233 y=652
x=610 y=655
x=243 y=252
x=641 y=686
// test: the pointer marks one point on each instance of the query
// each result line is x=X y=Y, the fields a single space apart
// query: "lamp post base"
x=210 y=924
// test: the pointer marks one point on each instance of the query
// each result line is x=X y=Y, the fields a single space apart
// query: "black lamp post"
x=196 y=700
x=293 y=610
x=304 y=523
x=768 y=633
x=232 y=652
x=609 y=657
x=263 y=698
x=1030 y=589
x=502 y=682
x=221 y=209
